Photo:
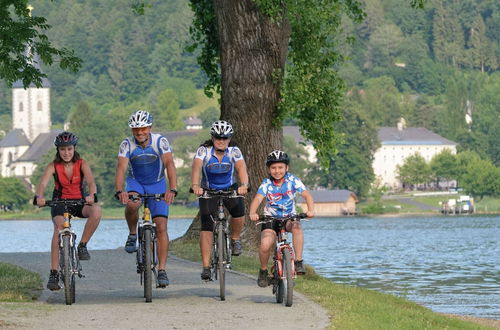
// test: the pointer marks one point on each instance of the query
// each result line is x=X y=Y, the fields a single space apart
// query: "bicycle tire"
x=148 y=272
x=287 y=278
x=221 y=267
x=67 y=270
x=278 y=286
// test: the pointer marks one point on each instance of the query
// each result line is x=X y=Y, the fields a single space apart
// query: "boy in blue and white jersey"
x=149 y=155
x=279 y=191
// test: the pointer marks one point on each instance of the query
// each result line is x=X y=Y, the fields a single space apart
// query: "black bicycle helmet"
x=65 y=139
x=221 y=129
x=277 y=156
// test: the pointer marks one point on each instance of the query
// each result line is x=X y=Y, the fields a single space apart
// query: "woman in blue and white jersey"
x=221 y=167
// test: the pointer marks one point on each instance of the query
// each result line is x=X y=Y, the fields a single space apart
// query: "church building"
x=31 y=135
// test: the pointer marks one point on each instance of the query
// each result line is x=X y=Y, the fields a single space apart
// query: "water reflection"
x=450 y=264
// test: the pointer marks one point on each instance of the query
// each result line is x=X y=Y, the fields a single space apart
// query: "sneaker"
x=299 y=267
x=162 y=278
x=206 y=275
x=131 y=244
x=262 y=280
x=236 y=247
x=53 y=283
x=83 y=253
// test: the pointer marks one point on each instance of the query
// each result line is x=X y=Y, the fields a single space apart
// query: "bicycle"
x=68 y=256
x=283 y=269
x=147 y=257
x=220 y=258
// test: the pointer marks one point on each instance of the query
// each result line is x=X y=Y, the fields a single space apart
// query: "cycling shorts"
x=74 y=210
x=208 y=210
x=158 y=208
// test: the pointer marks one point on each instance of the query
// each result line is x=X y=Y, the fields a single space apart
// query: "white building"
x=31 y=136
x=398 y=143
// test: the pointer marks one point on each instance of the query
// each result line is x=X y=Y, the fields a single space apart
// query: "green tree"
x=481 y=178
x=14 y=194
x=480 y=53
x=80 y=116
x=209 y=115
x=20 y=28
x=448 y=44
x=414 y=171
x=444 y=167
x=165 y=110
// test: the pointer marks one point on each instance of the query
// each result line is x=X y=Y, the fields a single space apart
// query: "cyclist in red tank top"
x=70 y=172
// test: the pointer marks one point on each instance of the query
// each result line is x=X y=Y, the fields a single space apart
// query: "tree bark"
x=253 y=52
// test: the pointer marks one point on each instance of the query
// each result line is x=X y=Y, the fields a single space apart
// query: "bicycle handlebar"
x=269 y=218
x=208 y=193
x=70 y=202
x=138 y=197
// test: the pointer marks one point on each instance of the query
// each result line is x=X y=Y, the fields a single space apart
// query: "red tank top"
x=68 y=188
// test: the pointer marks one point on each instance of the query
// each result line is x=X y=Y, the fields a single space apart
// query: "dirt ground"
x=111 y=297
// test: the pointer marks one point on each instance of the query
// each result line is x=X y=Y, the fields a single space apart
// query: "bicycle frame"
x=147 y=254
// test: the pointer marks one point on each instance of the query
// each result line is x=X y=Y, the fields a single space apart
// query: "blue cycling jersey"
x=146 y=165
x=218 y=174
x=280 y=200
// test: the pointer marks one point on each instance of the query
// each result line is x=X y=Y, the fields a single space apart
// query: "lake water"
x=449 y=264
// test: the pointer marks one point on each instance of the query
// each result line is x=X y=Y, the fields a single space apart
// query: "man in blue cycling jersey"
x=149 y=155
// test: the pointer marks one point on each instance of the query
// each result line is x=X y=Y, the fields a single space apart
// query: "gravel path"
x=110 y=297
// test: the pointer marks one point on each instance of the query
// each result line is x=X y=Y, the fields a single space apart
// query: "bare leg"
x=206 y=238
x=267 y=238
x=93 y=215
x=162 y=235
x=236 y=227
x=54 y=248
x=298 y=239
x=132 y=216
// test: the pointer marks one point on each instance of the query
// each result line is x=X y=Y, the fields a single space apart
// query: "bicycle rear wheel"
x=69 y=285
x=287 y=278
x=221 y=268
x=148 y=272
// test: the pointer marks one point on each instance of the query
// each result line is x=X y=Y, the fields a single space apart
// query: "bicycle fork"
x=75 y=266
x=141 y=251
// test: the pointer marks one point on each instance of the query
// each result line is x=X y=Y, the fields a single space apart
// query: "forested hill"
x=429 y=66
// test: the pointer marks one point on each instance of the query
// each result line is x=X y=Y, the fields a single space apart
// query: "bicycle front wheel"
x=67 y=271
x=148 y=272
x=287 y=278
x=221 y=268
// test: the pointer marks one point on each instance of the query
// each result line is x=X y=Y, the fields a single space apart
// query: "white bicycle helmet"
x=221 y=129
x=139 y=119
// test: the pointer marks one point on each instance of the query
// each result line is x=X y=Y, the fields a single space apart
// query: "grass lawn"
x=349 y=307
x=18 y=284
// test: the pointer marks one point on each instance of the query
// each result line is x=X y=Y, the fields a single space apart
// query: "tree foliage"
x=13 y=194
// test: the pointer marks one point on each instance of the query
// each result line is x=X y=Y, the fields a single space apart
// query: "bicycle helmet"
x=277 y=156
x=139 y=119
x=65 y=139
x=221 y=129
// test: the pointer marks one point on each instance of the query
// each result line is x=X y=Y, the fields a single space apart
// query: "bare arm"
x=241 y=168
x=195 y=176
x=44 y=180
x=168 y=162
x=254 y=206
x=309 y=202
x=121 y=168
x=89 y=178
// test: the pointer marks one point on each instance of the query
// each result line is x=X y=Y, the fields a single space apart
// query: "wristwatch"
x=174 y=191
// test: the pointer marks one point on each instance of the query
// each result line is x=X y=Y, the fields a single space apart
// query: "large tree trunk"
x=253 y=52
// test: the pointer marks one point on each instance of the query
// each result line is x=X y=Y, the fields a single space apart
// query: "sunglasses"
x=221 y=138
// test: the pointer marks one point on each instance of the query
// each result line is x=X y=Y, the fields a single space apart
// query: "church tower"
x=31 y=106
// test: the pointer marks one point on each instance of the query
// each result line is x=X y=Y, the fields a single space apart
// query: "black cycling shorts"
x=74 y=210
x=208 y=209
